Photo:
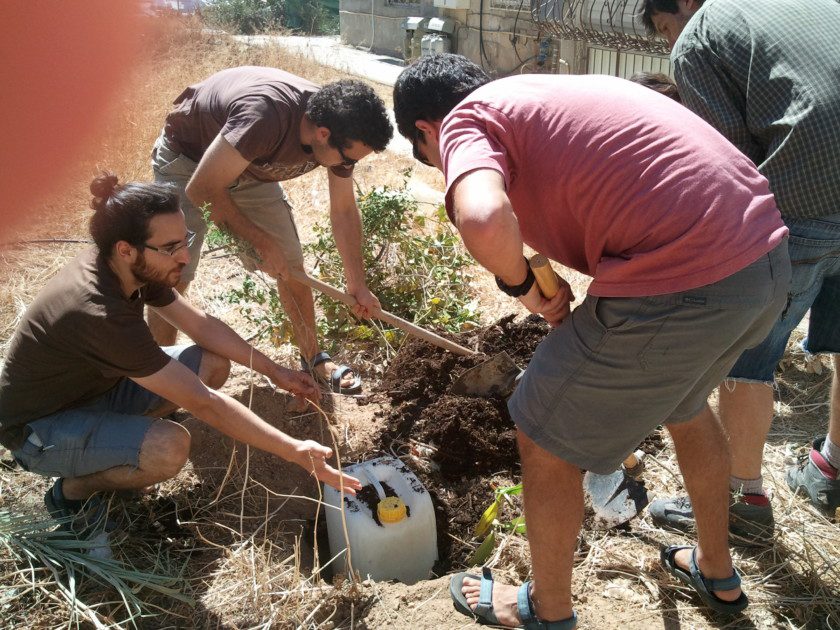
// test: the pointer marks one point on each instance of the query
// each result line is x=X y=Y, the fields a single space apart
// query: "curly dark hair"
x=658 y=82
x=351 y=110
x=122 y=212
x=657 y=6
x=432 y=86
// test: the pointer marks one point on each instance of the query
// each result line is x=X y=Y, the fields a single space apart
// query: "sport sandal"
x=483 y=612
x=701 y=584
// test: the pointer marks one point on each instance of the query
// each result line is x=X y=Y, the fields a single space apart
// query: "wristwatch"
x=520 y=289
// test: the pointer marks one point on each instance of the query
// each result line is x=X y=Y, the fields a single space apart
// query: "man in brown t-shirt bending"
x=84 y=383
x=229 y=142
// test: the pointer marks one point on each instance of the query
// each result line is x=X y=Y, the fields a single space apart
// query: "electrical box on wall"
x=453 y=4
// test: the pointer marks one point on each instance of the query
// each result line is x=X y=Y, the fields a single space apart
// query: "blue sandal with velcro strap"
x=702 y=585
x=483 y=612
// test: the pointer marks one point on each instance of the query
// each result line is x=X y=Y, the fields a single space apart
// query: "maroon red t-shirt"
x=258 y=111
x=615 y=180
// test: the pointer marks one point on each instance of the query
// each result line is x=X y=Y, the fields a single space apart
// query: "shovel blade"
x=496 y=376
x=616 y=498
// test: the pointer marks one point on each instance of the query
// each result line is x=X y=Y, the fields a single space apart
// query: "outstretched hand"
x=555 y=310
x=297 y=383
x=313 y=457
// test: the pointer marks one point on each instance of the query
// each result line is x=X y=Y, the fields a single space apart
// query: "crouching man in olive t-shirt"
x=84 y=383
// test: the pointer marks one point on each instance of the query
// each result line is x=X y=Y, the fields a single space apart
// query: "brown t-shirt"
x=258 y=111
x=78 y=338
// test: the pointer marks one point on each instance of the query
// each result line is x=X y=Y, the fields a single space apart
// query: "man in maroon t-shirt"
x=687 y=252
x=229 y=142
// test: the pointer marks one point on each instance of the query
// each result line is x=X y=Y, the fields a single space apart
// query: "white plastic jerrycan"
x=390 y=523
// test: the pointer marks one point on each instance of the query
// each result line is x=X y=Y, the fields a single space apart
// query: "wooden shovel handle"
x=631 y=461
x=546 y=278
x=385 y=316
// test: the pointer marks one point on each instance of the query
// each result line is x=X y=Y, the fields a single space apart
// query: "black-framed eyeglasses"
x=415 y=150
x=346 y=161
x=171 y=250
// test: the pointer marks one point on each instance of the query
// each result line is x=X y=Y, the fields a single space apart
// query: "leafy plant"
x=415 y=266
x=218 y=238
x=47 y=551
x=245 y=16
x=312 y=16
x=490 y=523
x=248 y=17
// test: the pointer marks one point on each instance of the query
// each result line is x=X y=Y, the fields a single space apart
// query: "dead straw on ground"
x=241 y=547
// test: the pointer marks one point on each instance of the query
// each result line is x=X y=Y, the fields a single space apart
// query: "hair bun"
x=102 y=188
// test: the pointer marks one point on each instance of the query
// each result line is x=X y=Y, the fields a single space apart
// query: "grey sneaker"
x=750 y=518
x=817 y=479
x=82 y=518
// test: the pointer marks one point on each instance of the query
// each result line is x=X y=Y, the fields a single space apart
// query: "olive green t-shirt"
x=78 y=338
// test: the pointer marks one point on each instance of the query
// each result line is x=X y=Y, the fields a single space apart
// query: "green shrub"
x=258 y=16
x=245 y=16
x=414 y=265
x=312 y=16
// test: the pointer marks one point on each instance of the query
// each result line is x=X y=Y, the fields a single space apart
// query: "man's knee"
x=165 y=449
x=531 y=453
x=214 y=369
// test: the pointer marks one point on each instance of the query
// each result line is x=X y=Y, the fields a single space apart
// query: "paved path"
x=329 y=51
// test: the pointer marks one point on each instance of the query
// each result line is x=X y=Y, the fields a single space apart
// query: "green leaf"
x=480 y=555
x=486 y=520
x=517 y=525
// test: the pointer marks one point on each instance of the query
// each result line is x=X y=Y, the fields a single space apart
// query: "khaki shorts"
x=618 y=367
x=263 y=203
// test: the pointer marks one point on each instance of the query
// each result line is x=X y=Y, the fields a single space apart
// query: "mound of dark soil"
x=468 y=440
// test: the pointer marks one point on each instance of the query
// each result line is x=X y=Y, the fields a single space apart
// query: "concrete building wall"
x=377 y=24
x=500 y=35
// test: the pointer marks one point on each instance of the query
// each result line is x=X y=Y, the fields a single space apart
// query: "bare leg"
x=299 y=305
x=213 y=372
x=554 y=512
x=165 y=334
x=746 y=411
x=834 y=418
x=163 y=453
x=704 y=461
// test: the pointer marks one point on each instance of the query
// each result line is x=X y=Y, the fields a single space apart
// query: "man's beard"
x=145 y=275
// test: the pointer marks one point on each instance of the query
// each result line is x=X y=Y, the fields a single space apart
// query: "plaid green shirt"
x=766 y=74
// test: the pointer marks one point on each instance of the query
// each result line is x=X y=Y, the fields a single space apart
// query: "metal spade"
x=618 y=497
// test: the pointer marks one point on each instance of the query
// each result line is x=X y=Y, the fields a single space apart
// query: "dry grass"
x=238 y=526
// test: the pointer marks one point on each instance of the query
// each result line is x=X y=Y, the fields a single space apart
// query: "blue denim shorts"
x=102 y=434
x=814 y=247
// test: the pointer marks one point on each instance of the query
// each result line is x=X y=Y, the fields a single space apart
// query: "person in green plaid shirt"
x=766 y=74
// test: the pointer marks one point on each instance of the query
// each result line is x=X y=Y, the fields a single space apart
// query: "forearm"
x=484 y=217
x=225 y=214
x=347 y=231
x=215 y=336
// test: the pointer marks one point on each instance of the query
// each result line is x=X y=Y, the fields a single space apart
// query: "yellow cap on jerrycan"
x=391 y=510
